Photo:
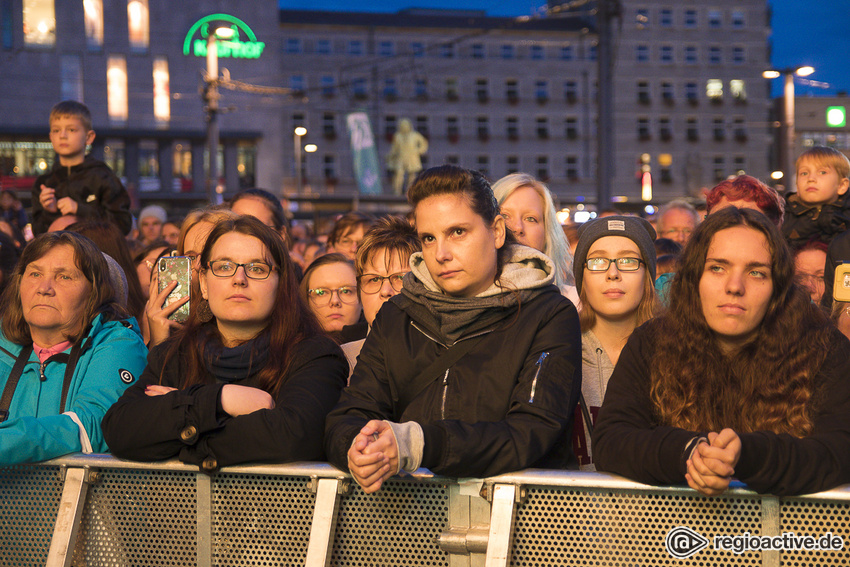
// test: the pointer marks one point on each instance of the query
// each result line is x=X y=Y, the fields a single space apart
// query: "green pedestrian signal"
x=836 y=116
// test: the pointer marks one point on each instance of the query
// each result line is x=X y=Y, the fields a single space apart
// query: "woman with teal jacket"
x=67 y=351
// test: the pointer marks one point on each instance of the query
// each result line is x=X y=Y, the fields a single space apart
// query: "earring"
x=205 y=314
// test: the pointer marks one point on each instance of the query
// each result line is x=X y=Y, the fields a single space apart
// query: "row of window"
x=689 y=18
x=690 y=54
x=720 y=129
x=39 y=19
x=444 y=50
x=714 y=91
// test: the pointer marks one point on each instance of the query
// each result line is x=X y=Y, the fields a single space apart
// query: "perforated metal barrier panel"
x=29 y=500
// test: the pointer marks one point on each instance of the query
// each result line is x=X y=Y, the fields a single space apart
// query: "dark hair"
x=393 y=235
x=88 y=259
x=291 y=320
x=769 y=384
x=348 y=223
x=272 y=202
x=665 y=246
x=110 y=239
x=472 y=186
x=72 y=108
x=748 y=188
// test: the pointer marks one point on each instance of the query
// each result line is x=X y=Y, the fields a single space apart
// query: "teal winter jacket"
x=112 y=356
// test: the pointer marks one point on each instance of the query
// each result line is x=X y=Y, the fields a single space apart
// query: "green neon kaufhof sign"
x=242 y=45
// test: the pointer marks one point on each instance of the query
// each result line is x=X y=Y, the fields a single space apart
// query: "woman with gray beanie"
x=614 y=270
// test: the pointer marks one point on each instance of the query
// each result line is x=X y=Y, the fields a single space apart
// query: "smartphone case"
x=176 y=268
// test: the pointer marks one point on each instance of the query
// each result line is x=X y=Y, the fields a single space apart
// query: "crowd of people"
x=476 y=337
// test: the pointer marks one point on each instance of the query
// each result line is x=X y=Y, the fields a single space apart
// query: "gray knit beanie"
x=636 y=229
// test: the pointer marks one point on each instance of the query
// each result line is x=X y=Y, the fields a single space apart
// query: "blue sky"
x=815 y=32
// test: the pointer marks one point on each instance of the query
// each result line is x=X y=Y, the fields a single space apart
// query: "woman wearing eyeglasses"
x=329 y=287
x=615 y=271
x=250 y=377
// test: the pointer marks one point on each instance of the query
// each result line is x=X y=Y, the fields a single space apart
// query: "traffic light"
x=836 y=116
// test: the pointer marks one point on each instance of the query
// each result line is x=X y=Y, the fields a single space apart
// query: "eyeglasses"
x=372 y=283
x=623 y=264
x=323 y=295
x=253 y=270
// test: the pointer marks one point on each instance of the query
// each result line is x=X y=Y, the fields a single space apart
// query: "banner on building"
x=367 y=170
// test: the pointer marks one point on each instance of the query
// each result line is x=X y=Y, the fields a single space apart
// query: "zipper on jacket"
x=599 y=353
x=41 y=371
x=539 y=364
x=445 y=391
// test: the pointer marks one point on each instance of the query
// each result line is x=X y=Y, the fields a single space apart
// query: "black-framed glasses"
x=324 y=295
x=253 y=270
x=372 y=283
x=623 y=264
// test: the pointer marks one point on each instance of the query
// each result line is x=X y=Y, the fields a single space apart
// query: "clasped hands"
x=373 y=456
x=711 y=465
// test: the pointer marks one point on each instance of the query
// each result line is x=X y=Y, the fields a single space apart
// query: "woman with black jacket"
x=474 y=369
x=249 y=378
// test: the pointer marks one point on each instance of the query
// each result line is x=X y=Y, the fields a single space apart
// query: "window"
x=39 y=23
x=93 y=15
x=719 y=163
x=358 y=88
x=740 y=164
x=692 y=93
x=71 y=75
x=571 y=127
x=483 y=125
x=541 y=91
x=293 y=45
x=643 y=129
x=116 y=88
x=664 y=130
x=390 y=88
x=665 y=17
x=296 y=83
x=512 y=128
x=452 y=129
x=715 y=19
x=418 y=49
x=714 y=90
x=420 y=88
x=452 y=159
x=591 y=52
x=739 y=129
x=643 y=92
x=6 y=24
x=482 y=91
x=512 y=91
x=738 y=56
x=571 y=163
x=666 y=53
x=543 y=168
x=542 y=127
x=714 y=56
x=692 y=129
x=690 y=18
x=138 y=24
x=386 y=49
x=329 y=166
x=738 y=19
x=571 y=91
x=537 y=52
x=328 y=85
x=567 y=53
x=478 y=51
x=451 y=89
x=298 y=120
x=691 y=54
x=421 y=125
x=482 y=164
x=641 y=18
x=329 y=125
x=390 y=126
x=667 y=94
x=447 y=51
x=161 y=90
x=738 y=90
x=507 y=51
x=718 y=129
x=323 y=47
x=642 y=53
x=355 y=47
x=512 y=163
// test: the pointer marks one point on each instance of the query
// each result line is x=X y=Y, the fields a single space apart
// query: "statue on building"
x=405 y=155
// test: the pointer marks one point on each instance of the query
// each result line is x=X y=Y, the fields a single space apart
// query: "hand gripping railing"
x=98 y=510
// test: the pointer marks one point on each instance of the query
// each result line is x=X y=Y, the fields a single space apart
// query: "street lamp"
x=297 y=134
x=789 y=133
x=211 y=97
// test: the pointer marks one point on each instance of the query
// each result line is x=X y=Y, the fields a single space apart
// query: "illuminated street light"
x=297 y=134
x=789 y=133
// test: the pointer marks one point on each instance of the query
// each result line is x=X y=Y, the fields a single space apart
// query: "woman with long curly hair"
x=744 y=377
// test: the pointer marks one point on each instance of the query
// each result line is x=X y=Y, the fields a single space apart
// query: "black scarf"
x=232 y=364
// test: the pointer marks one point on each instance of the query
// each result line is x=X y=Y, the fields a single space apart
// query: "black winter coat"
x=190 y=424
x=96 y=189
x=502 y=407
x=804 y=222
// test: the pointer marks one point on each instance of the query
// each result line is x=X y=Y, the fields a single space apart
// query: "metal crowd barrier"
x=93 y=510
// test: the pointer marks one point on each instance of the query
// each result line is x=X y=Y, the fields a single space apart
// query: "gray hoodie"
x=596 y=370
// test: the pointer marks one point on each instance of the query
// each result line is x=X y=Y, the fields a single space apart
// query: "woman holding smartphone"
x=250 y=377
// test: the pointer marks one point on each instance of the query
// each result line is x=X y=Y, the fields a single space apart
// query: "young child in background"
x=77 y=184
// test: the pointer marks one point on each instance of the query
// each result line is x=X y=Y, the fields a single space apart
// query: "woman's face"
x=614 y=295
x=336 y=305
x=145 y=268
x=171 y=233
x=349 y=242
x=381 y=265
x=736 y=285
x=194 y=243
x=54 y=293
x=459 y=248
x=523 y=212
x=242 y=306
